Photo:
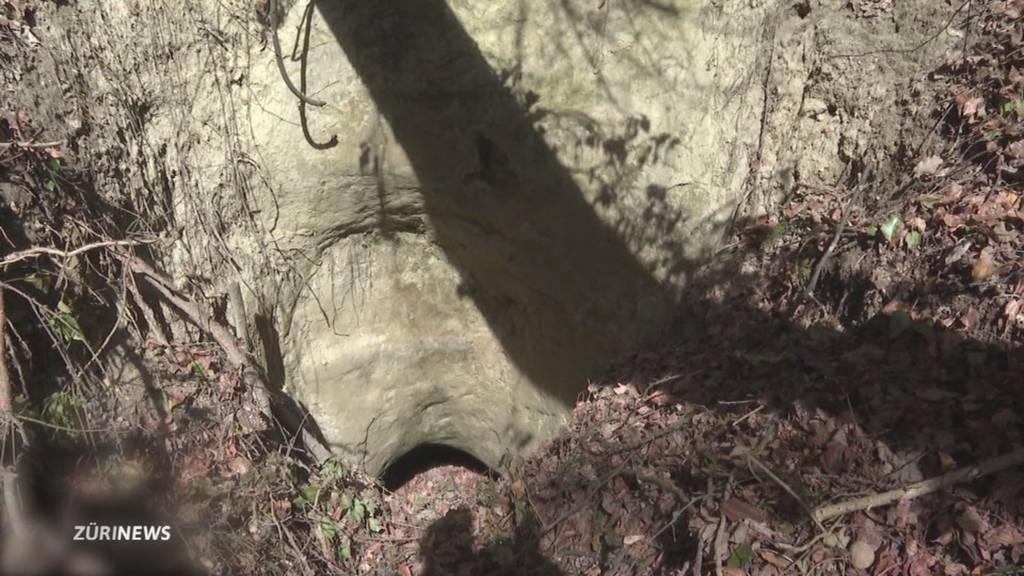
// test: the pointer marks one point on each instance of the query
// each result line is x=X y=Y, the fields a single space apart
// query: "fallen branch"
x=233 y=350
x=991 y=466
x=26 y=144
x=45 y=251
x=13 y=520
x=721 y=541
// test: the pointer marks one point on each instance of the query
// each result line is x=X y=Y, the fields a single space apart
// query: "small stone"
x=983 y=268
x=862 y=555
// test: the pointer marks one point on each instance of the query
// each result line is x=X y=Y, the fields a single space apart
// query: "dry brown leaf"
x=970 y=520
x=952 y=193
x=774 y=559
x=970 y=108
x=920 y=565
x=1012 y=309
x=970 y=318
x=736 y=510
x=881 y=279
x=1016 y=149
x=947 y=461
x=1005 y=536
x=1008 y=9
x=951 y=220
x=927 y=166
x=866 y=530
x=955 y=569
x=832 y=458
x=632 y=539
x=238 y=466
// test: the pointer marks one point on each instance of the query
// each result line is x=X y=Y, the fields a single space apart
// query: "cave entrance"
x=427 y=458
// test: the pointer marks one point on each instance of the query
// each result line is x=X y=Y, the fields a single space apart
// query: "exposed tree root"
x=233 y=350
x=928 y=486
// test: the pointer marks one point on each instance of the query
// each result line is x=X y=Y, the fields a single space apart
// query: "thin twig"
x=677 y=426
x=676 y=514
x=286 y=533
x=912 y=49
x=45 y=322
x=665 y=484
x=990 y=466
x=854 y=200
x=741 y=419
x=122 y=309
x=71 y=430
x=660 y=382
x=803 y=503
x=586 y=501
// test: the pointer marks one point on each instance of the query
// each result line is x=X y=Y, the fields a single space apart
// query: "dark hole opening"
x=426 y=457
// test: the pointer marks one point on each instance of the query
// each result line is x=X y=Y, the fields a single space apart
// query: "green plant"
x=912 y=240
x=361 y=509
x=63 y=410
x=65 y=325
x=804 y=269
x=1008 y=106
x=890 y=227
x=53 y=168
x=777 y=232
x=741 y=556
x=330 y=495
x=37 y=281
x=486 y=493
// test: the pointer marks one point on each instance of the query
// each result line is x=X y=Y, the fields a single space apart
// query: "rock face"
x=566 y=185
x=499 y=197
x=544 y=177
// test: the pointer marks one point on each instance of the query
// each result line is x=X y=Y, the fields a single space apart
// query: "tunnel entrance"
x=437 y=459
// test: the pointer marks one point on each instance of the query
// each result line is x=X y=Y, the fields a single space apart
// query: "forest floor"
x=877 y=355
